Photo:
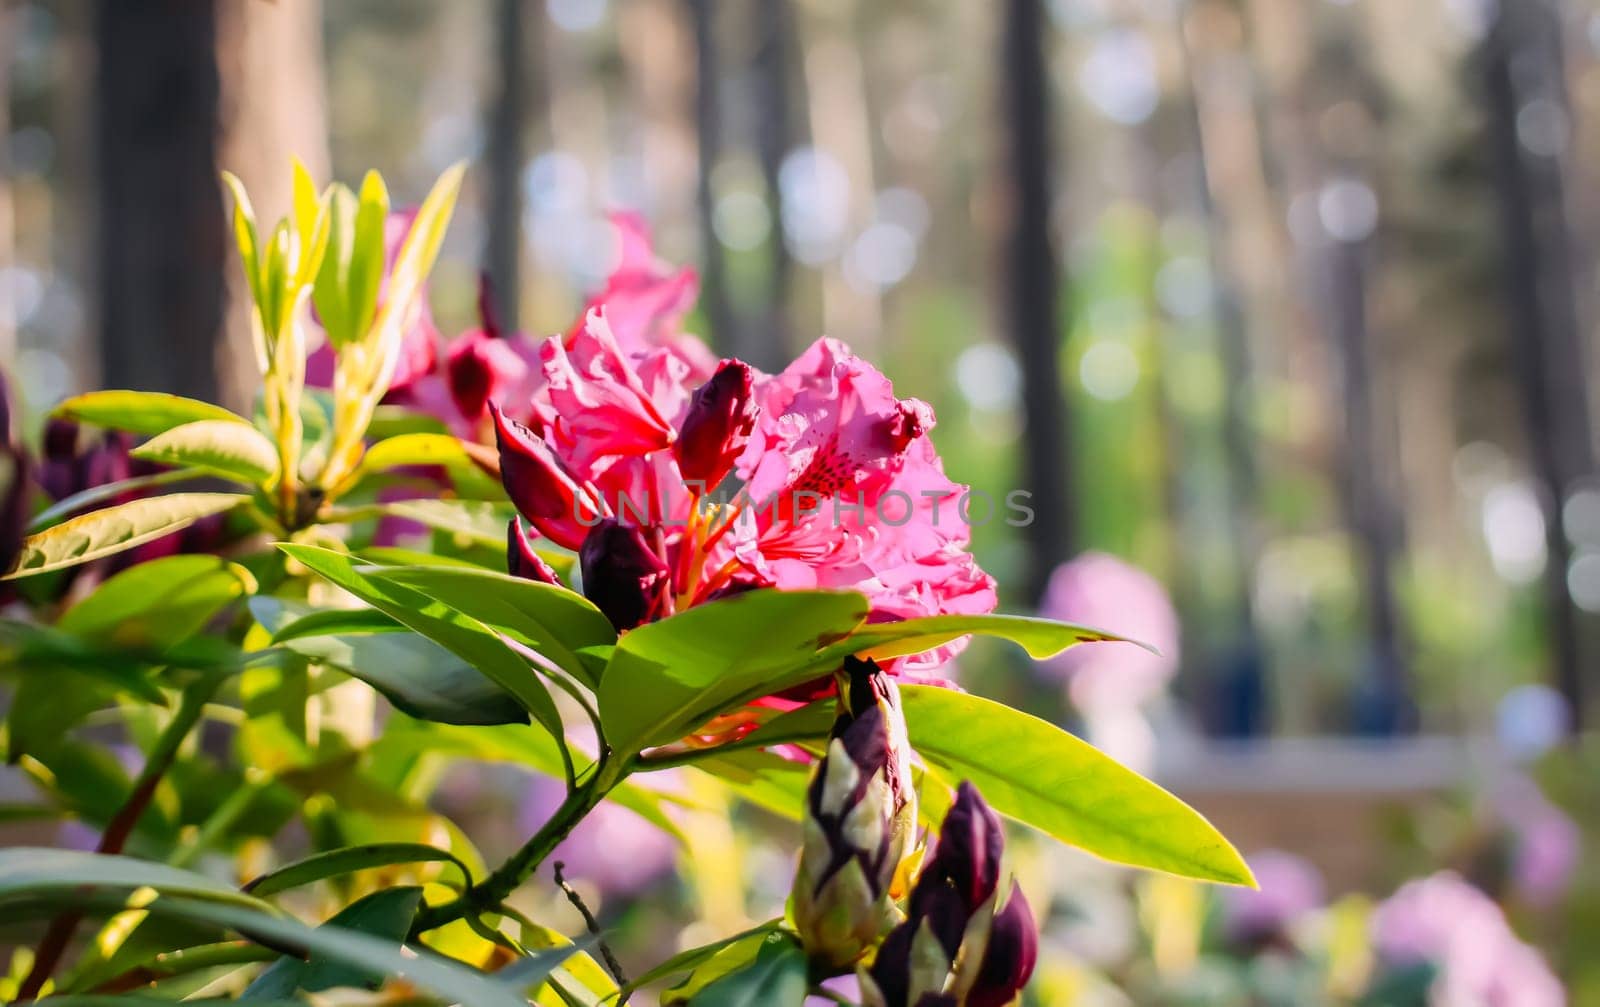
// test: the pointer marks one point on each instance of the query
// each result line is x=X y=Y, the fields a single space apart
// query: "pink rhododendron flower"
x=646 y=299
x=843 y=488
x=1443 y=920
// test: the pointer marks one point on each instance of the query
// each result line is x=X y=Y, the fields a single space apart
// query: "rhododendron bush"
x=258 y=657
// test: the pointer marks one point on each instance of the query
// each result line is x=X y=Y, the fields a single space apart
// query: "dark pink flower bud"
x=521 y=559
x=540 y=487
x=622 y=575
x=967 y=856
x=717 y=425
x=471 y=373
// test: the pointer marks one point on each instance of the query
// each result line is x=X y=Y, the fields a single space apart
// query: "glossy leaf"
x=333 y=622
x=693 y=958
x=332 y=863
x=418 y=676
x=1041 y=638
x=414 y=449
x=552 y=620
x=666 y=678
x=136 y=486
x=110 y=531
x=1032 y=771
x=27 y=872
x=147 y=413
x=230 y=450
x=451 y=981
x=467 y=638
x=776 y=976
x=159 y=603
x=385 y=915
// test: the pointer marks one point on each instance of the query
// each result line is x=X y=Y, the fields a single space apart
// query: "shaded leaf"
x=385 y=915
x=27 y=871
x=774 y=977
x=158 y=603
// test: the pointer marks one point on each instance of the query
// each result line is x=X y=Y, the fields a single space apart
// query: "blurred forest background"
x=1291 y=303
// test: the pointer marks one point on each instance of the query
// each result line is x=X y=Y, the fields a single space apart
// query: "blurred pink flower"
x=1443 y=920
x=1104 y=592
x=1547 y=845
x=1290 y=887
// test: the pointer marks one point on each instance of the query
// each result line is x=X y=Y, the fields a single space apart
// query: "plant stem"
x=121 y=826
x=593 y=926
x=494 y=889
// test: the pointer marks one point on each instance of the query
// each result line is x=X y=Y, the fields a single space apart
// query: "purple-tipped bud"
x=521 y=559
x=622 y=575
x=717 y=425
x=958 y=946
x=1012 y=953
x=860 y=815
x=540 y=487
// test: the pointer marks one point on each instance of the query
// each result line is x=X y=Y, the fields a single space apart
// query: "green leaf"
x=110 y=531
x=414 y=449
x=334 y=622
x=385 y=915
x=1041 y=638
x=531 y=971
x=1032 y=771
x=49 y=651
x=666 y=678
x=147 y=413
x=552 y=620
x=766 y=780
x=418 y=676
x=158 y=604
x=332 y=863
x=223 y=448
x=774 y=977
x=693 y=958
x=108 y=491
x=467 y=638
x=472 y=521
x=30 y=872
x=368 y=955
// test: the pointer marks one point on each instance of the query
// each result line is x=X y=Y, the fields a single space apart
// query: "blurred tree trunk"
x=514 y=21
x=1383 y=704
x=8 y=315
x=273 y=109
x=1030 y=295
x=708 y=131
x=768 y=343
x=161 y=234
x=1522 y=75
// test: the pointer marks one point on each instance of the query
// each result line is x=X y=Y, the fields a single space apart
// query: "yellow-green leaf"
x=146 y=413
x=110 y=531
x=230 y=450
x=1033 y=771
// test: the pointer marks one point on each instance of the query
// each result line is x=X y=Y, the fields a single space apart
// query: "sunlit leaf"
x=668 y=677
x=774 y=976
x=157 y=604
x=146 y=413
x=333 y=863
x=226 y=449
x=1041 y=638
x=1032 y=771
x=110 y=531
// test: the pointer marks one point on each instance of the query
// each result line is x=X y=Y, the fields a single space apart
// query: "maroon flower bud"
x=622 y=575
x=717 y=425
x=540 y=487
x=471 y=373
x=521 y=559
x=958 y=947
